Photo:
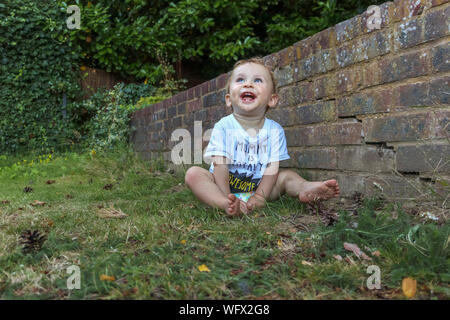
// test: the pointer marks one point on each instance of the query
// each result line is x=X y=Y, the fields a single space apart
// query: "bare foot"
x=320 y=190
x=234 y=205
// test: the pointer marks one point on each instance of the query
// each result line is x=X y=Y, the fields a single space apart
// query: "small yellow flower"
x=93 y=152
x=203 y=268
x=104 y=277
x=183 y=241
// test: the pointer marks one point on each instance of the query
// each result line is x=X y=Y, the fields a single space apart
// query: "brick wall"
x=368 y=107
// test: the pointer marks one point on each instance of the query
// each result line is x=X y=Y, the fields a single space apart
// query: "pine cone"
x=32 y=240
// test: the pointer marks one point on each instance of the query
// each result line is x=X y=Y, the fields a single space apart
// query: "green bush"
x=138 y=37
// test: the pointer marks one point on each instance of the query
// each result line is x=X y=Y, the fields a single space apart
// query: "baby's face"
x=251 y=90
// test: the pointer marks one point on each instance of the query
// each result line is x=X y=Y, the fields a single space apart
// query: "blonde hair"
x=257 y=60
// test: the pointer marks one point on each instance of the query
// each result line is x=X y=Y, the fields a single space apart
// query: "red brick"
x=286 y=56
x=439 y=57
x=365 y=158
x=435 y=3
x=392 y=187
x=325 y=61
x=348 y=29
x=272 y=61
x=194 y=105
x=437 y=24
x=412 y=94
x=367 y=102
x=301 y=93
x=442 y=125
x=410 y=127
x=212 y=85
x=325 y=86
x=371 y=74
x=333 y=134
x=348 y=80
x=324 y=158
x=405 y=9
x=198 y=91
x=408 y=34
x=423 y=158
x=222 y=81
x=314 y=113
x=307 y=47
x=204 y=88
x=284 y=76
x=190 y=93
x=409 y=65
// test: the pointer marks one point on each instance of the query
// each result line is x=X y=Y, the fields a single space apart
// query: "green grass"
x=155 y=252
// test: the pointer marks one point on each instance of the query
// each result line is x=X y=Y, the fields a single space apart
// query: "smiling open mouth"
x=247 y=97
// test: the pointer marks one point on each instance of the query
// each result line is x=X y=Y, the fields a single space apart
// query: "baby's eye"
x=239 y=79
x=258 y=80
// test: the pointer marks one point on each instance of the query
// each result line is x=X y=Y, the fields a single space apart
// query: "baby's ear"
x=228 y=100
x=273 y=100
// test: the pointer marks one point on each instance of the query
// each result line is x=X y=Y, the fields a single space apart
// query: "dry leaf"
x=236 y=271
x=337 y=257
x=409 y=287
x=203 y=268
x=104 y=277
x=280 y=243
x=5 y=201
x=108 y=186
x=50 y=181
x=349 y=260
x=356 y=250
x=37 y=203
x=376 y=253
x=306 y=263
x=112 y=213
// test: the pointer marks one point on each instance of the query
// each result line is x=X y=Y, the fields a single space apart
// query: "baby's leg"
x=306 y=191
x=202 y=184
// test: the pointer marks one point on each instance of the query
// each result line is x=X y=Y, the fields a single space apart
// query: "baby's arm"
x=265 y=187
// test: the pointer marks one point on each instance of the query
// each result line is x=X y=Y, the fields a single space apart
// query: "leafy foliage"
x=37 y=68
x=133 y=36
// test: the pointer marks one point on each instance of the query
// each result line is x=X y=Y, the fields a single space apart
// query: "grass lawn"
x=136 y=232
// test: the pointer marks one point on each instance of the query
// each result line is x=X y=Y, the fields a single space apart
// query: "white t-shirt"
x=248 y=156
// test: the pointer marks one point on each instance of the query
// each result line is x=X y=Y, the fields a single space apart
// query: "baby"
x=245 y=150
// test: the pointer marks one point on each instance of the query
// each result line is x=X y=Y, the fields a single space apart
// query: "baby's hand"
x=255 y=201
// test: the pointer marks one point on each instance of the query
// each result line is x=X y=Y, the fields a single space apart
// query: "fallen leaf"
x=104 y=277
x=112 y=213
x=356 y=250
x=28 y=189
x=108 y=186
x=306 y=263
x=376 y=253
x=280 y=243
x=236 y=271
x=337 y=257
x=203 y=268
x=37 y=203
x=349 y=260
x=50 y=181
x=69 y=196
x=409 y=287
x=5 y=201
